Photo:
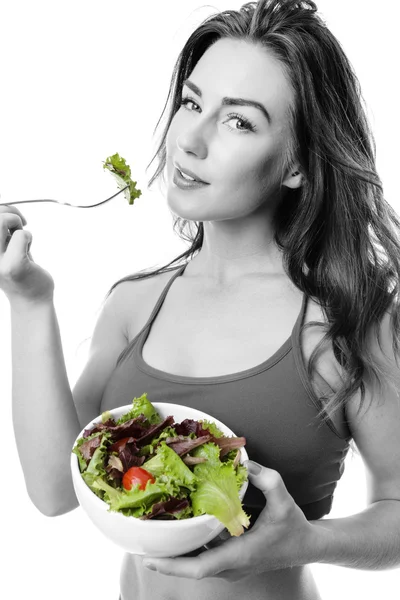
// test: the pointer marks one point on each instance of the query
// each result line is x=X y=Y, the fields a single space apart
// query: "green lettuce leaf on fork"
x=122 y=173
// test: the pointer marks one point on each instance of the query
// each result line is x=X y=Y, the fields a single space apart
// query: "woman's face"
x=241 y=158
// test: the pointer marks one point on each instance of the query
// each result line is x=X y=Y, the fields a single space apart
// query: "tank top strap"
x=161 y=298
x=300 y=320
x=303 y=373
x=124 y=354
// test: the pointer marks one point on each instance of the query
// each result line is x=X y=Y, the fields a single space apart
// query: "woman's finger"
x=18 y=246
x=270 y=482
x=9 y=223
x=9 y=208
x=208 y=564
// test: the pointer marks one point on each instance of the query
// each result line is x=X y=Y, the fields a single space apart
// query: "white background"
x=82 y=80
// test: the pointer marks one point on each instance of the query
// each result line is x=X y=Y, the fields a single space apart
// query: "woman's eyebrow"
x=227 y=101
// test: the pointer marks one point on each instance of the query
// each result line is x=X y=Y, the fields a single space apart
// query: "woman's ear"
x=294 y=179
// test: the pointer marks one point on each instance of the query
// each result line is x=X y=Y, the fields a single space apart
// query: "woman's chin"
x=184 y=209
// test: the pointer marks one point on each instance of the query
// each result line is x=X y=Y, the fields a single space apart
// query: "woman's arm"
x=371 y=539
x=44 y=416
x=47 y=416
x=368 y=540
x=282 y=538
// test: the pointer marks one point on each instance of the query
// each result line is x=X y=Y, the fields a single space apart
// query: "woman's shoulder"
x=135 y=299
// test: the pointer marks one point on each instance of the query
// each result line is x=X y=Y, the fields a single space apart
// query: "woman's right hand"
x=21 y=279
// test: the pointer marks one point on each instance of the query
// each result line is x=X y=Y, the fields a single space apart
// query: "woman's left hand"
x=281 y=538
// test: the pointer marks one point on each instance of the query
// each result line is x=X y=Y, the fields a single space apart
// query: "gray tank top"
x=272 y=404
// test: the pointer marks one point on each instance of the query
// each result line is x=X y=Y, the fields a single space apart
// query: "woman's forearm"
x=367 y=540
x=44 y=416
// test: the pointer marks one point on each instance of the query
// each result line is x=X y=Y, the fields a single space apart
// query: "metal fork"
x=65 y=203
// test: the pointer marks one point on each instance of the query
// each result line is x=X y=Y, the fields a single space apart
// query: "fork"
x=65 y=203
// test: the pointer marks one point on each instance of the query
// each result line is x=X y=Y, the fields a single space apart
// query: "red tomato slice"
x=136 y=475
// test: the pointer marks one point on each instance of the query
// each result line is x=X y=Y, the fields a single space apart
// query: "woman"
x=294 y=257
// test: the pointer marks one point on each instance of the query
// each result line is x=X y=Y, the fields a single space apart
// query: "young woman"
x=281 y=319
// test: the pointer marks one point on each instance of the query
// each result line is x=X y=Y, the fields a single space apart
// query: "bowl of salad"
x=160 y=479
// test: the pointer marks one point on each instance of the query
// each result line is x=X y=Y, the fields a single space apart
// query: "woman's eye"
x=248 y=126
x=185 y=101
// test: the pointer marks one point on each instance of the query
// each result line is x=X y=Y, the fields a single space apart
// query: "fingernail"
x=253 y=467
x=149 y=565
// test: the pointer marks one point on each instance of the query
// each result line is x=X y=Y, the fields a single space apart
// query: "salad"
x=122 y=173
x=148 y=467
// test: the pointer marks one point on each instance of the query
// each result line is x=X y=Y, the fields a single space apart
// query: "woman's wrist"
x=318 y=543
x=21 y=305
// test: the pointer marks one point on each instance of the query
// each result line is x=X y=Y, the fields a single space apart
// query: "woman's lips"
x=186 y=184
x=190 y=173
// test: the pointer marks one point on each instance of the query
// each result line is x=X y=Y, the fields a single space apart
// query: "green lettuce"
x=216 y=491
x=212 y=428
x=95 y=469
x=241 y=475
x=105 y=416
x=141 y=406
x=135 y=498
x=76 y=449
x=210 y=452
x=166 y=463
x=122 y=173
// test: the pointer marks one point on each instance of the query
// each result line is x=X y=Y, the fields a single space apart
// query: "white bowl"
x=157 y=538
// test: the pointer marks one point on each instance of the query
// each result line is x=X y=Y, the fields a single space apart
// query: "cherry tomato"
x=136 y=475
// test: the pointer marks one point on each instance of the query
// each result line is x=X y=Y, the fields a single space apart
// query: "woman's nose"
x=192 y=142
x=193 y=139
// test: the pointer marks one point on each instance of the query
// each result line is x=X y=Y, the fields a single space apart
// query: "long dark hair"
x=338 y=235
